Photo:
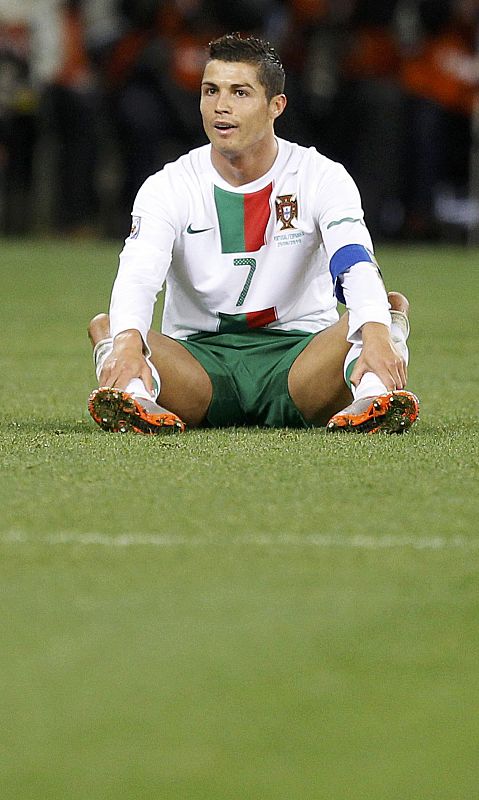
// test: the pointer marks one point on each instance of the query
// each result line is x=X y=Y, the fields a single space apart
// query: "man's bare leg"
x=186 y=389
x=316 y=381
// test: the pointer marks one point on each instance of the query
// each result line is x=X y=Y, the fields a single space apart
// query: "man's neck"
x=245 y=167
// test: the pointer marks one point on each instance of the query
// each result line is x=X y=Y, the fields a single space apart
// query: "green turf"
x=239 y=614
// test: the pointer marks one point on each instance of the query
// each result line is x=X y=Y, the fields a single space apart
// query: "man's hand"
x=381 y=357
x=125 y=362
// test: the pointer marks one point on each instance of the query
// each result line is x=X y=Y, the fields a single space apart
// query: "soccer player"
x=255 y=237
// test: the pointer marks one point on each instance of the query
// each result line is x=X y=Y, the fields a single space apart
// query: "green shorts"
x=249 y=374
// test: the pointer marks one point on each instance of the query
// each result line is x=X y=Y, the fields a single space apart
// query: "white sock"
x=136 y=386
x=400 y=333
x=368 y=386
x=101 y=350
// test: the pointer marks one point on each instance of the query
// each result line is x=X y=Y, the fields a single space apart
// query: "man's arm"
x=144 y=263
x=357 y=280
x=369 y=322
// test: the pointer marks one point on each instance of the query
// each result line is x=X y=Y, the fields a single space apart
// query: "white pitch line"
x=313 y=540
x=363 y=542
x=101 y=539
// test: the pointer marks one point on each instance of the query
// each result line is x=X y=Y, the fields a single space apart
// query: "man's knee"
x=398 y=302
x=99 y=328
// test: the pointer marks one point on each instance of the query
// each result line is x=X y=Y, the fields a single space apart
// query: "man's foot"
x=119 y=412
x=394 y=412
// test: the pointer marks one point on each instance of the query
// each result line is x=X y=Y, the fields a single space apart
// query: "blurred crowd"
x=97 y=94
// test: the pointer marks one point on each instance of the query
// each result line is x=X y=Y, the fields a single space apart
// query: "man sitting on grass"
x=255 y=238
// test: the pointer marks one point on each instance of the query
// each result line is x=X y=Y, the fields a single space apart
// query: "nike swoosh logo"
x=195 y=230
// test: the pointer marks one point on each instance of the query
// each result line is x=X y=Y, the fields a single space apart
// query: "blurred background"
x=97 y=94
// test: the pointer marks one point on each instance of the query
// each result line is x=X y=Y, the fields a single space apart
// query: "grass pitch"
x=236 y=614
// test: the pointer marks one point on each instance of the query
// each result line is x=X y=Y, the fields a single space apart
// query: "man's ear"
x=277 y=105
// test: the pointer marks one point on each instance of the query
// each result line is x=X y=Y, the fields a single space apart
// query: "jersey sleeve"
x=356 y=277
x=144 y=260
x=365 y=297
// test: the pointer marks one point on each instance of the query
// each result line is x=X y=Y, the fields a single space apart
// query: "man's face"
x=236 y=114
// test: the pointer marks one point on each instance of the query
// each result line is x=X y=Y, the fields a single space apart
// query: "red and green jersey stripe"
x=237 y=323
x=243 y=219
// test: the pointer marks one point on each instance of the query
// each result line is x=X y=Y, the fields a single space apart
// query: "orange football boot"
x=394 y=412
x=119 y=412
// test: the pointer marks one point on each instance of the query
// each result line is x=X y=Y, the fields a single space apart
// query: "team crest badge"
x=135 y=227
x=286 y=210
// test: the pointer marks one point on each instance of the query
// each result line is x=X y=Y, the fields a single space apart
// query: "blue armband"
x=342 y=260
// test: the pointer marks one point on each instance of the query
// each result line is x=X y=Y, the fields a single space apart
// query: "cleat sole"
x=116 y=411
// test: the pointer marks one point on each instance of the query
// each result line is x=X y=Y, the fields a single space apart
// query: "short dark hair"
x=232 y=47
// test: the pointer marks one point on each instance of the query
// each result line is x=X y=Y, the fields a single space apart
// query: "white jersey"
x=267 y=253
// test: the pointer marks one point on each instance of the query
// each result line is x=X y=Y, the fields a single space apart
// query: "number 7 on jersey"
x=245 y=262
